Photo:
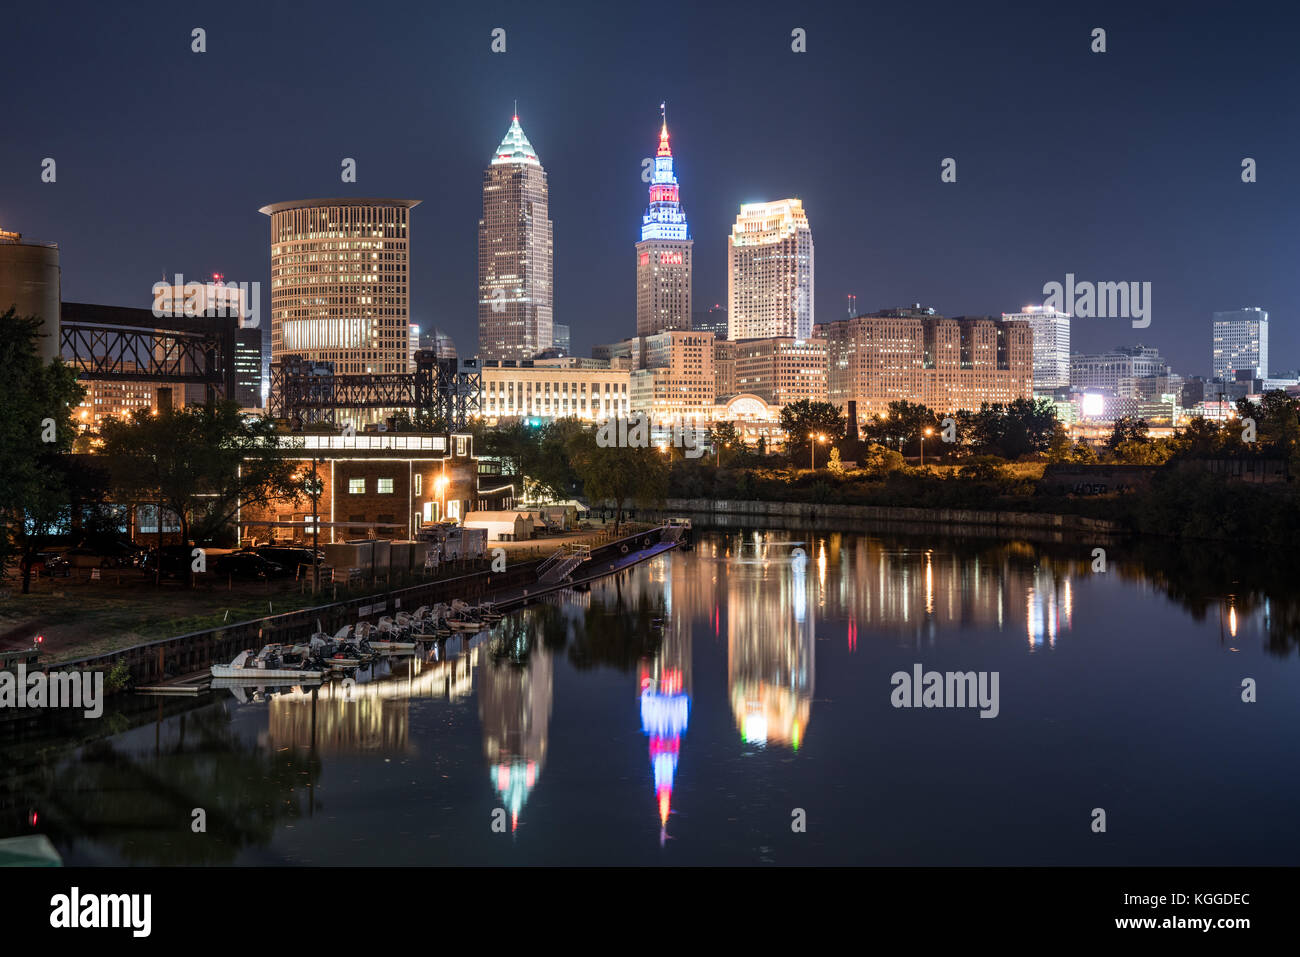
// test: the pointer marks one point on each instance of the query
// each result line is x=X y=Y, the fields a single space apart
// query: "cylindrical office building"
x=30 y=282
x=340 y=283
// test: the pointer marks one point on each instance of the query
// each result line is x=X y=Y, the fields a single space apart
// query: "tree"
x=1029 y=426
x=36 y=433
x=620 y=474
x=801 y=418
x=548 y=471
x=202 y=463
x=834 y=465
x=904 y=424
x=1126 y=429
x=1058 y=449
x=1082 y=454
x=1199 y=438
x=879 y=460
x=723 y=436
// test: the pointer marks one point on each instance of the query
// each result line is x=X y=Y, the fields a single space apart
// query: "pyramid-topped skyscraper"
x=663 y=256
x=515 y=253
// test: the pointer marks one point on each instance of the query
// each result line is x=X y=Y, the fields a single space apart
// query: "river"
x=738 y=704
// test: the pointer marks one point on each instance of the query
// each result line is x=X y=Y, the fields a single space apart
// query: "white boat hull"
x=264 y=675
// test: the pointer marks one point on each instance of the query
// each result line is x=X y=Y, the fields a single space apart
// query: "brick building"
x=388 y=484
x=913 y=354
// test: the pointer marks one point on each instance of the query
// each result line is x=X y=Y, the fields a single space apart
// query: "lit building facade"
x=663 y=256
x=400 y=479
x=713 y=319
x=215 y=299
x=675 y=380
x=340 y=283
x=1051 y=344
x=1119 y=371
x=528 y=389
x=515 y=253
x=724 y=368
x=781 y=370
x=770 y=272
x=913 y=354
x=1241 y=343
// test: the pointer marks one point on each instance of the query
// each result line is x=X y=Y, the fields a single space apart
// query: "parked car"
x=78 y=558
x=247 y=565
x=290 y=556
x=176 y=560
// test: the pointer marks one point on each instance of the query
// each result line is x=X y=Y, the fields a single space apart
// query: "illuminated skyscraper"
x=770 y=272
x=340 y=282
x=515 y=291
x=663 y=256
x=1241 y=343
x=1051 y=344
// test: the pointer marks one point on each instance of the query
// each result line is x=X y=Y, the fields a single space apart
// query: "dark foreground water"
x=733 y=705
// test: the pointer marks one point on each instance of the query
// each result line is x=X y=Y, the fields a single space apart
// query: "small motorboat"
x=274 y=662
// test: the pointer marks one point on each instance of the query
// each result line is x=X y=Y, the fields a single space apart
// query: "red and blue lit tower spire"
x=664 y=218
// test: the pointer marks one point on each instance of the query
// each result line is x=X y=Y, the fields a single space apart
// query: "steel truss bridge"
x=115 y=343
x=305 y=392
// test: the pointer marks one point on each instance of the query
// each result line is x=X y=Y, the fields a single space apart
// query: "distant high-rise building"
x=1117 y=372
x=438 y=342
x=780 y=371
x=915 y=355
x=560 y=340
x=215 y=299
x=1241 y=343
x=1051 y=344
x=663 y=256
x=770 y=272
x=340 y=282
x=713 y=319
x=515 y=253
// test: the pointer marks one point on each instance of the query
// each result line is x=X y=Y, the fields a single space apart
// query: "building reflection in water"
x=371 y=715
x=770 y=638
x=514 y=707
x=665 y=689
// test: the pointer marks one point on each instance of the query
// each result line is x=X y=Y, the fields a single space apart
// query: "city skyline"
x=962 y=247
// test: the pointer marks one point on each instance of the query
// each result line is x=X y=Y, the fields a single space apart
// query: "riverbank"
x=80 y=616
x=938 y=517
x=162 y=659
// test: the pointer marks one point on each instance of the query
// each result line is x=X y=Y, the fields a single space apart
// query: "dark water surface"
x=699 y=706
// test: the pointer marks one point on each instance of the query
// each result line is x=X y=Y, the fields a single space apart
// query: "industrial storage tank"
x=30 y=282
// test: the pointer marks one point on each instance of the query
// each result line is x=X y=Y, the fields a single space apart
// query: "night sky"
x=1118 y=166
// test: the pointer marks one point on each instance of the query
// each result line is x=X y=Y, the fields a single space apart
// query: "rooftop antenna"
x=516 y=109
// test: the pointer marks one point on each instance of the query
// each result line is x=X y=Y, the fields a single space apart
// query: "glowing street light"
x=928 y=431
x=813 y=438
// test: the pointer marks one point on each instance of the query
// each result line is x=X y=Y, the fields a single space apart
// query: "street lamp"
x=813 y=439
x=928 y=431
x=314 y=490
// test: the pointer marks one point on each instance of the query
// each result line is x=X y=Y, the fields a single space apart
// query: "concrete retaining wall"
x=913 y=516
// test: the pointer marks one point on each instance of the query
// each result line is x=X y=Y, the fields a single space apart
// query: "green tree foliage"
x=549 y=473
x=798 y=419
x=903 y=425
x=1200 y=438
x=1127 y=429
x=201 y=463
x=36 y=433
x=619 y=474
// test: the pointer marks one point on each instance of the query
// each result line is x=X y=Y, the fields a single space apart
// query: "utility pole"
x=315 y=527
